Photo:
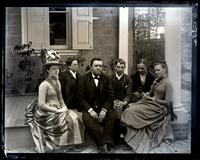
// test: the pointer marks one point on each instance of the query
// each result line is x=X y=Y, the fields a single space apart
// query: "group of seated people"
x=134 y=109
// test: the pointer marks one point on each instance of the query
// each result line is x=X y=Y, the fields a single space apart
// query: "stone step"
x=181 y=131
x=19 y=140
x=18 y=137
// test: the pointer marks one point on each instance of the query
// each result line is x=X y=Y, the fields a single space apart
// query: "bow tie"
x=96 y=77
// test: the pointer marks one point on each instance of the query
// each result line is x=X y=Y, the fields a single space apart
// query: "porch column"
x=173 y=59
x=123 y=35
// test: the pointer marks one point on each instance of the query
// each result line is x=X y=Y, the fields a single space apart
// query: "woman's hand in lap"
x=63 y=109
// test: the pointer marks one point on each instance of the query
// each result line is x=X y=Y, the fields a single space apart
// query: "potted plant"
x=26 y=64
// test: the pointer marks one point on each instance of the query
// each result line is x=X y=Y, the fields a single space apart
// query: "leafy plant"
x=8 y=77
x=26 y=64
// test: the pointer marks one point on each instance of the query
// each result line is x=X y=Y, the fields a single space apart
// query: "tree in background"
x=148 y=34
x=147 y=22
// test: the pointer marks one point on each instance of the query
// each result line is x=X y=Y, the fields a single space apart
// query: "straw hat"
x=52 y=57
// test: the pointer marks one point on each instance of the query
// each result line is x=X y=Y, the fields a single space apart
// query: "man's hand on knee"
x=93 y=114
x=102 y=115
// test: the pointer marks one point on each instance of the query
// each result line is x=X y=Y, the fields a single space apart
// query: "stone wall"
x=186 y=63
x=186 y=58
x=182 y=127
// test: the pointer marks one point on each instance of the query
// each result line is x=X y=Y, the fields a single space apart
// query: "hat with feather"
x=53 y=58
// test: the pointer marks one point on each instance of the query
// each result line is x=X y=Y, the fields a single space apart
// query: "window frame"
x=24 y=25
x=68 y=29
x=74 y=43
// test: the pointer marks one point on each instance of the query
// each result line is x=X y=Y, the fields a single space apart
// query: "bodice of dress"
x=48 y=95
x=161 y=90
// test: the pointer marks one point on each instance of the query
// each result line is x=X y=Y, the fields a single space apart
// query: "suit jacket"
x=69 y=88
x=86 y=92
x=126 y=87
x=137 y=84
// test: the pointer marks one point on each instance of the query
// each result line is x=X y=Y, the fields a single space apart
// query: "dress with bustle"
x=148 y=122
x=50 y=130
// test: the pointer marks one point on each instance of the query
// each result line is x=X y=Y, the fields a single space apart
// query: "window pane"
x=57 y=26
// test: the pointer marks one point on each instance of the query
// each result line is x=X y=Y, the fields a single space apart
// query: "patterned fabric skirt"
x=148 y=124
x=50 y=130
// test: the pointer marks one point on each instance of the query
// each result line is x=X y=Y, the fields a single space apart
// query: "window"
x=59 y=23
x=58 y=28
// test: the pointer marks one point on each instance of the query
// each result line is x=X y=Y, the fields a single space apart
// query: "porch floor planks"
x=15 y=109
x=14 y=117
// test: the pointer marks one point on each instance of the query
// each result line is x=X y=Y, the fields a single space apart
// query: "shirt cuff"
x=104 y=109
x=125 y=102
x=90 y=110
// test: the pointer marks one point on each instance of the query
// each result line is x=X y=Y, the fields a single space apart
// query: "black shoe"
x=121 y=141
x=127 y=148
x=103 y=149
x=110 y=147
x=74 y=149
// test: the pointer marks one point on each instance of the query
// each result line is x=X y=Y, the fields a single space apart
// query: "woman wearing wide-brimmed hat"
x=52 y=124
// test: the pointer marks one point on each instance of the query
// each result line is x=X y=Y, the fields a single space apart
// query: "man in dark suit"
x=95 y=95
x=122 y=86
x=142 y=79
x=68 y=80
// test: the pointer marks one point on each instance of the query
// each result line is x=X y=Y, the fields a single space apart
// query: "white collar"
x=119 y=77
x=95 y=76
x=143 y=75
x=73 y=73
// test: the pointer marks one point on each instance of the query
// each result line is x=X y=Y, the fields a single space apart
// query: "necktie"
x=96 y=80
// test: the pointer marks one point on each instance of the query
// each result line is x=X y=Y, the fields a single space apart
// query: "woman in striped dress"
x=52 y=124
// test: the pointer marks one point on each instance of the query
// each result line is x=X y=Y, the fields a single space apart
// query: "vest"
x=97 y=100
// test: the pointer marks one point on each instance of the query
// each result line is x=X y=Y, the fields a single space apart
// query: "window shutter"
x=82 y=28
x=38 y=27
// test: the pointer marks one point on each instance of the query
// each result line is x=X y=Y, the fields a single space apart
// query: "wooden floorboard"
x=15 y=109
